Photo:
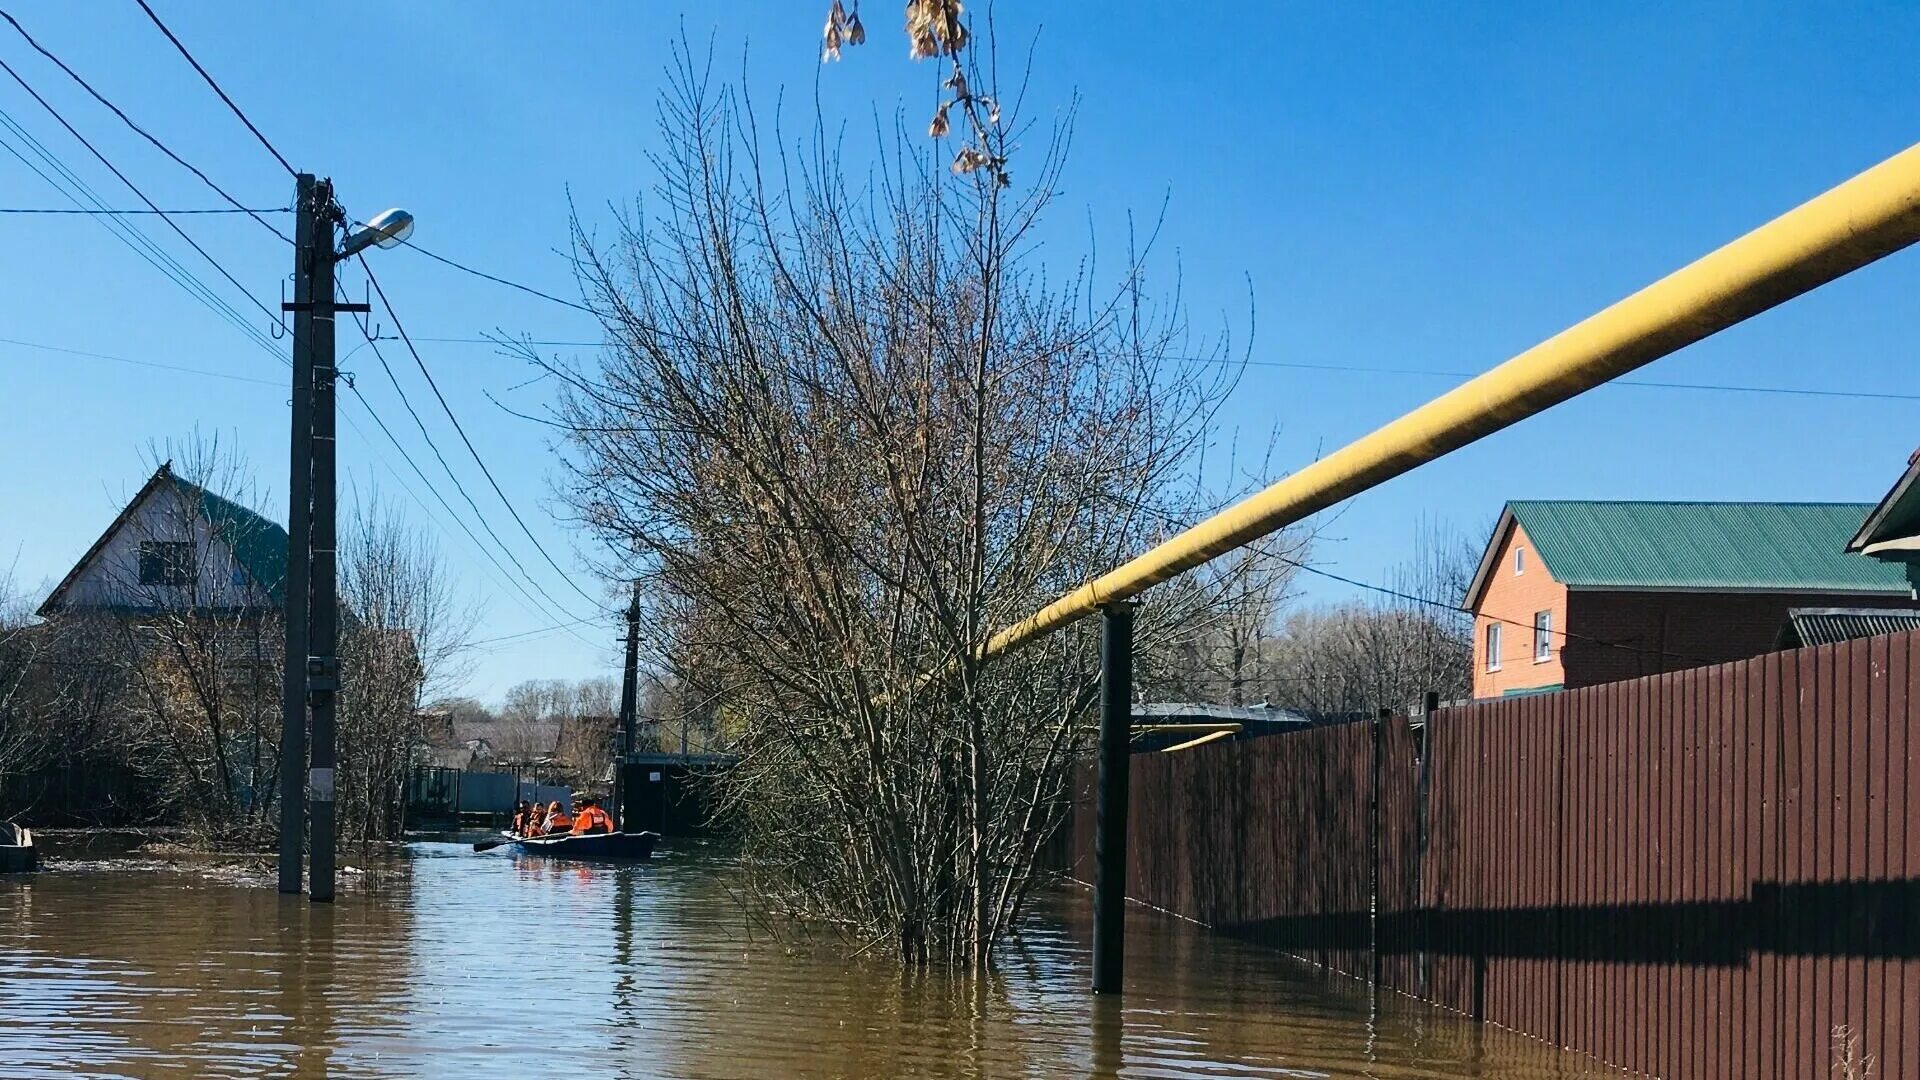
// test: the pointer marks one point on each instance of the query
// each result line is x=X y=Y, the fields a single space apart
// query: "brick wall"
x=1511 y=600
x=1652 y=632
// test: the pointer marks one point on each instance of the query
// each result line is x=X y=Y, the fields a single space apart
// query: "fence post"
x=1110 y=814
x=1380 y=719
x=1423 y=959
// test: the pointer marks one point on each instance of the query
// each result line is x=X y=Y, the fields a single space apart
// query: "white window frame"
x=1492 y=639
x=1519 y=561
x=1543 y=636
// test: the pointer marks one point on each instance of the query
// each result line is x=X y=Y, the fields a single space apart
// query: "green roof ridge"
x=1703 y=544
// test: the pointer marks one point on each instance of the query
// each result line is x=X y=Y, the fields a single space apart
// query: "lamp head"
x=389 y=228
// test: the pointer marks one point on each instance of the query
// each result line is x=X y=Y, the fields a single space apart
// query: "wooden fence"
x=1701 y=875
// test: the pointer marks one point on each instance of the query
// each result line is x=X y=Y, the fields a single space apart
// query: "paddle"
x=489 y=845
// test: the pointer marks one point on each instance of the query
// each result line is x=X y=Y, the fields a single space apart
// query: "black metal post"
x=1110 y=820
x=323 y=664
x=293 y=692
x=1429 y=706
x=1380 y=721
x=629 y=706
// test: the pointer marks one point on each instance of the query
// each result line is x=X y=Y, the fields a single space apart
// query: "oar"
x=489 y=845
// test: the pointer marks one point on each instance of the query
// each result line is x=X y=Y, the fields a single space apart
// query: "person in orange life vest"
x=536 y=820
x=558 y=820
x=591 y=819
x=520 y=818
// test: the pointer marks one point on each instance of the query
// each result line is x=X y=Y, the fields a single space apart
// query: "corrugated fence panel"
x=1705 y=875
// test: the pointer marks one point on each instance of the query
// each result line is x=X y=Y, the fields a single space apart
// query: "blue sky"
x=1407 y=186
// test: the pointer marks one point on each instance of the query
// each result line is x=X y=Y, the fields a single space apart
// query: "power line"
x=464 y=268
x=135 y=188
x=124 y=213
x=448 y=409
x=277 y=156
x=1358 y=369
x=1457 y=609
x=532 y=633
x=1652 y=384
x=143 y=363
x=139 y=242
x=537 y=610
x=445 y=466
x=142 y=132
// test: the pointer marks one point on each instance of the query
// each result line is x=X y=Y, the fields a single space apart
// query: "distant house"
x=1891 y=530
x=178 y=547
x=1571 y=594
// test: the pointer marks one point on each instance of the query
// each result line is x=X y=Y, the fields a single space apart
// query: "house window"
x=1542 y=636
x=1493 y=646
x=166 y=562
x=1519 y=560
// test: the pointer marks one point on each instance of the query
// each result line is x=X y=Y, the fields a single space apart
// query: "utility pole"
x=629 y=706
x=323 y=665
x=293 y=690
x=312 y=677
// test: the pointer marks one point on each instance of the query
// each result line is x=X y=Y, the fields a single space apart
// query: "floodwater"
x=444 y=962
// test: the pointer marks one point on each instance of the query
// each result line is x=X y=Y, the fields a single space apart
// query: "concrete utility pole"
x=312 y=676
x=629 y=706
x=323 y=626
x=293 y=690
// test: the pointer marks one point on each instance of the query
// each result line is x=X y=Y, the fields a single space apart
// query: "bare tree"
x=1387 y=651
x=845 y=434
x=405 y=635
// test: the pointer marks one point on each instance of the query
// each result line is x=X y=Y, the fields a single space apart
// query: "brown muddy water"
x=443 y=962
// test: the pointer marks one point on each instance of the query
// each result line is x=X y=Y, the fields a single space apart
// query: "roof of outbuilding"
x=1896 y=518
x=1826 y=626
x=1729 y=546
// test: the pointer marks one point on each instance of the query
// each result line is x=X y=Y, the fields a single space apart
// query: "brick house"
x=1571 y=594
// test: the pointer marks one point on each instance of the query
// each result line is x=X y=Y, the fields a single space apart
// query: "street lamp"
x=389 y=228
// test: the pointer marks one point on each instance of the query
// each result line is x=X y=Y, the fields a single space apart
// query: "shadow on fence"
x=1695 y=875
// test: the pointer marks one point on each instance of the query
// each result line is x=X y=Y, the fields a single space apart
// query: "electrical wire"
x=142 y=132
x=540 y=601
x=531 y=633
x=401 y=329
x=144 y=363
x=1459 y=610
x=543 y=600
x=537 y=609
x=277 y=156
x=462 y=267
x=139 y=242
x=135 y=188
x=125 y=213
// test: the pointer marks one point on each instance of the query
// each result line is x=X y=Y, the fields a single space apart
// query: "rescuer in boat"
x=558 y=820
x=591 y=819
x=521 y=817
x=536 y=820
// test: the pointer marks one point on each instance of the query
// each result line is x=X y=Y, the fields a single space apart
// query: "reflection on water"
x=448 y=963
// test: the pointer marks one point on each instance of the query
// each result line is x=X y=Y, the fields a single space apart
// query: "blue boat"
x=611 y=847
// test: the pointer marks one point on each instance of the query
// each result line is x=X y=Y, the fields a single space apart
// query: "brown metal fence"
x=1696 y=876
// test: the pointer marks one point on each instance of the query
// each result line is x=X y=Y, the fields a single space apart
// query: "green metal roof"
x=259 y=545
x=1782 y=547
